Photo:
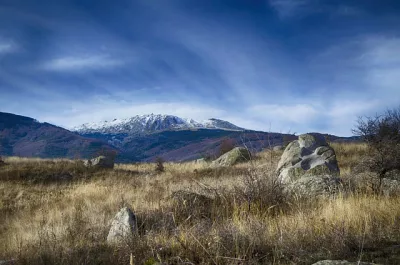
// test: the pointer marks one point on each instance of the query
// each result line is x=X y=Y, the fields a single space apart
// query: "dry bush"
x=159 y=168
x=382 y=136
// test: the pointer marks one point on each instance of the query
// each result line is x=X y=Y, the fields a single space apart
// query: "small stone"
x=100 y=162
x=123 y=226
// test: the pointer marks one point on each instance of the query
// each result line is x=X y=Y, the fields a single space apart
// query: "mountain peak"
x=150 y=123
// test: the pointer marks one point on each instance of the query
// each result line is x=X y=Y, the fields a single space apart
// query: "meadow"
x=59 y=212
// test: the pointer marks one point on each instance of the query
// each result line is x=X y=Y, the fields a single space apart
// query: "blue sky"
x=274 y=65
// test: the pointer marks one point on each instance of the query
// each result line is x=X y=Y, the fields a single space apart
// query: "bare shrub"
x=159 y=165
x=261 y=190
x=382 y=135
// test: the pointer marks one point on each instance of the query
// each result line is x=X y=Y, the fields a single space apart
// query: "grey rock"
x=201 y=161
x=236 y=155
x=277 y=148
x=341 y=262
x=312 y=186
x=123 y=226
x=100 y=162
x=310 y=155
x=390 y=187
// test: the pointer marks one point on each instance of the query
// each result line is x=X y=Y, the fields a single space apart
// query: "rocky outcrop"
x=122 y=227
x=310 y=155
x=341 y=262
x=308 y=166
x=236 y=155
x=100 y=162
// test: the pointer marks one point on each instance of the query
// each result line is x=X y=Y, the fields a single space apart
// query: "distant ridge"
x=26 y=137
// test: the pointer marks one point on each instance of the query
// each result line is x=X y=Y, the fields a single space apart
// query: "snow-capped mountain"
x=144 y=124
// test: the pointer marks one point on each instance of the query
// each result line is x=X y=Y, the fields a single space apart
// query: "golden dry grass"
x=348 y=155
x=247 y=221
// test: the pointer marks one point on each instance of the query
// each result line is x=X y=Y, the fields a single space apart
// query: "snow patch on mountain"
x=144 y=124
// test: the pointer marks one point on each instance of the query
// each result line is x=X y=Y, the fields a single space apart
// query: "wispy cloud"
x=287 y=9
x=337 y=117
x=78 y=63
x=7 y=46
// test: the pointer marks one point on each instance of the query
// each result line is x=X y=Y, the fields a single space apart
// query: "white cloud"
x=336 y=117
x=82 y=63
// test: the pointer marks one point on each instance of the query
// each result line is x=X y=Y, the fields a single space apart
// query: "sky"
x=290 y=66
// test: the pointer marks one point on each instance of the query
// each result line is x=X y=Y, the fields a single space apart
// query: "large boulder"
x=122 y=227
x=236 y=155
x=100 y=162
x=341 y=262
x=308 y=167
x=310 y=155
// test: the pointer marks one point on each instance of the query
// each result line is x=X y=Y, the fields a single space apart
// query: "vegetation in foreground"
x=189 y=214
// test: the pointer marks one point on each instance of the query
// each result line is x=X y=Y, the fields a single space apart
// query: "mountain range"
x=140 y=138
x=146 y=124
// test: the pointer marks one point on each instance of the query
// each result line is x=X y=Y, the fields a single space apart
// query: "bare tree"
x=382 y=135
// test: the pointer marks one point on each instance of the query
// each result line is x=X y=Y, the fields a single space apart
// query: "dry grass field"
x=59 y=212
